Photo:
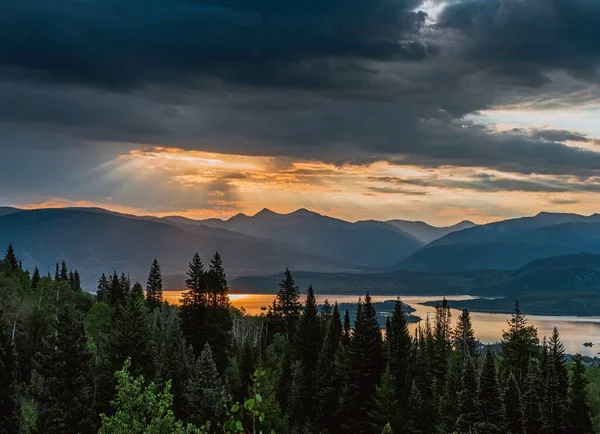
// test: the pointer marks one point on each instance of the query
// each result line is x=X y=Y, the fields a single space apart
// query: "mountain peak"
x=264 y=213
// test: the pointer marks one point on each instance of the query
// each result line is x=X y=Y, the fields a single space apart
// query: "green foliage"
x=154 y=286
x=205 y=396
x=468 y=403
x=463 y=336
x=532 y=409
x=386 y=411
x=492 y=414
x=249 y=417
x=10 y=262
x=286 y=309
x=579 y=408
x=9 y=396
x=63 y=384
x=519 y=344
x=141 y=408
x=556 y=387
x=514 y=406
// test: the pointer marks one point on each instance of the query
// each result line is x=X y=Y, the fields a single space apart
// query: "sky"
x=424 y=110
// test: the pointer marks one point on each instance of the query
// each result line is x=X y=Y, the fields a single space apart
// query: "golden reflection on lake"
x=574 y=331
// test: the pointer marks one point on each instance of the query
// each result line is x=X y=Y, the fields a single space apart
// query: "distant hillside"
x=96 y=242
x=427 y=233
x=360 y=243
x=509 y=244
x=6 y=210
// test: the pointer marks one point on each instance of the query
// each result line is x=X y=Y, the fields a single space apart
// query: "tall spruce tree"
x=365 y=353
x=76 y=285
x=449 y=402
x=205 y=399
x=154 y=286
x=218 y=315
x=556 y=387
x=399 y=343
x=11 y=263
x=468 y=401
x=532 y=398
x=102 y=294
x=417 y=415
x=9 y=396
x=386 y=410
x=328 y=384
x=130 y=338
x=492 y=414
x=463 y=336
x=579 y=408
x=64 y=272
x=193 y=305
x=514 y=407
x=519 y=344
x=347 y=330
x=57 y=273
x=35 y=278
x=307 y=346
x=287 y=307
x=63 y=389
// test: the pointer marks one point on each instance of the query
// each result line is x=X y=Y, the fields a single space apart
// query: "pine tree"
x=468 y=402
x=76 y=281
x=416 y=414
x=519 y=344
x=154 y=286
x=35 y=278
x=328 y=384
x=532 y=397
x=463 y=336
x=130 y=338
x=137 y=291
x=287 y=307
x=57 y=273
x=556 y=387
x=103 y=289
x=296 y=408
x=385 y=405
x=450 y=400
x=205 y=400
x=194 y=305
x=347 y=330
x=492 y=414
x=218 y=315
x=116 y=292
x=64 y=273
x=246 y=366
x=10 y=260
x=365 y=355
x=514 y=406
x=347 y=390
x=63 y=386
x=400 y=343
x=307 y=346
x=442 y=344
x=579 y=408
x=9 y=396
x=71 y=279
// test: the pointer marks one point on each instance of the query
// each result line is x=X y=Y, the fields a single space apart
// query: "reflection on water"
x=574 y=331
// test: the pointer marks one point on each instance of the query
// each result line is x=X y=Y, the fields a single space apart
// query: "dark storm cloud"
x=525 y=39
x=337 y=81
x=118 y=44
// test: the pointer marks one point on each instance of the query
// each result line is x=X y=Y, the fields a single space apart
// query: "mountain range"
x=96 y=240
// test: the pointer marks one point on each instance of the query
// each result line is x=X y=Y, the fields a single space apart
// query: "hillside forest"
x=124 y=361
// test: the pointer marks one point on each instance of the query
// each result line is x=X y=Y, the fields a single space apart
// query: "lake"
x=574 y=331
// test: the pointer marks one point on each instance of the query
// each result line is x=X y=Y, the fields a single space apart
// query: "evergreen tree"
x=532 y=395
x=328 y=384
x=35 y=278
x=287 y=307
x=9 y=396
x=63 y=386
x=556 y=387
x=416 y=414
x=246 y=366
x=296 y=397
x=218 y=316
x=399 y=343
x=205 y=400
x=102 y=294
x=130 y=338
x=57 y=273
x=76 y=281
x=307 y=346
x=10 y=260
x=116 y=291
x=463 y=336
x=154 y=286
x=579 y=408
x=193 y=305
x=137 y=291
x=347 y=388
x=492 y=414
x=385 y=405
x=519 y=344
x=64 y=273
x=365 y=355
x=347 y=330
x=514 y=406
x=442 y=345
x=71 y=279
x=468 y=402
x=449 y=403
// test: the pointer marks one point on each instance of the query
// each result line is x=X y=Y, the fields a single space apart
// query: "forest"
x=124 y=361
